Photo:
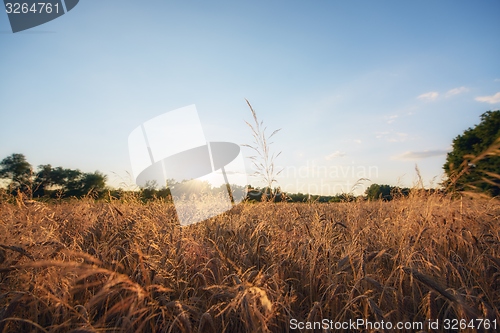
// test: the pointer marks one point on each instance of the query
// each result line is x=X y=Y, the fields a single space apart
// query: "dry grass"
x=264 y=160
x=128 y=267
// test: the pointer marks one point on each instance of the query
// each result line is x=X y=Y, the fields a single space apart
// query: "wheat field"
x=125 y=266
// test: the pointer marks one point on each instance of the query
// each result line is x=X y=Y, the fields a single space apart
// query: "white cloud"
x=391 y=136
x=456 y=91
x=496 y=80
x=398 y=137
x=391 y=119
x=358 y=141
x=489 y=99
x=380 y=135
x=334 y=155
x=430 y=96
x=417 y=155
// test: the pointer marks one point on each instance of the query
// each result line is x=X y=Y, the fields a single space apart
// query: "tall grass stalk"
x=264 y=160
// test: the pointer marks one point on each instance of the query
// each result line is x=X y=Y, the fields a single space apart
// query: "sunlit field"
x=125 y=266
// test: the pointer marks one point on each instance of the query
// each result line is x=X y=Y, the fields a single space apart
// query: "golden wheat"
x=124 y=266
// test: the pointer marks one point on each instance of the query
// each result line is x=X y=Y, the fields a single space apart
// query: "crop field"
x=126 y=266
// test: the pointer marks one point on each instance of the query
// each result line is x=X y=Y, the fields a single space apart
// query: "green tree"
x=49 y=180
x=65 y=182
x=68 y=182
x=474 y=162
x=376 y=192
x=93 y=183
x=18 y=172
x=78 y=184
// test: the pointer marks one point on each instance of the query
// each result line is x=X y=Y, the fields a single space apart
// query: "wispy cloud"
x=489 y=99
x=433 y=95
x=334 y=155
x=496 y=80
x=380 y=135
x=430 y=96
x=399 y=137
x=417 y=155
x=391 y=136
x=456 y=91
x=392 y=118
x=358 y=141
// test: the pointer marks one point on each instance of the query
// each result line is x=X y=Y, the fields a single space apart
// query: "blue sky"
x=360 y=88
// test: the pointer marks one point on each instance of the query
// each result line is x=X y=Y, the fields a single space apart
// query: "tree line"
x=48 y=181
x=473 y=164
